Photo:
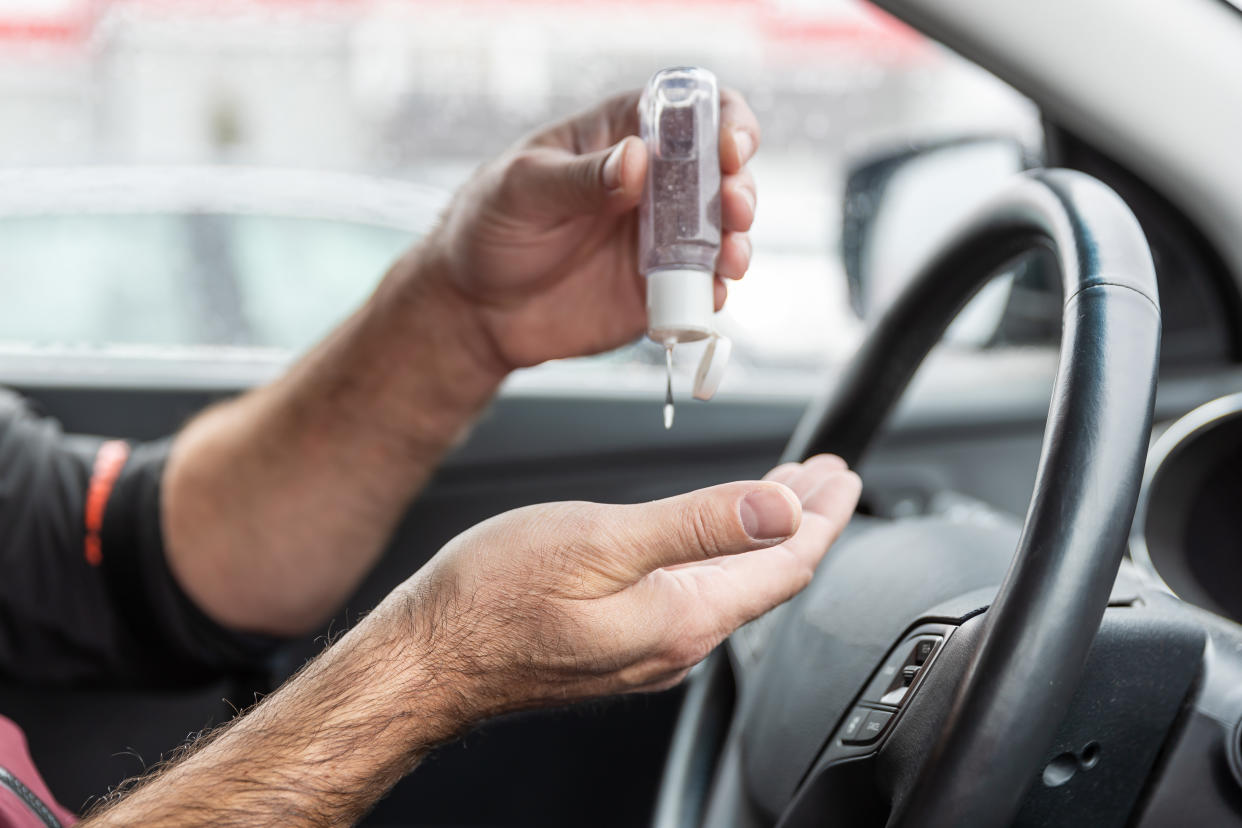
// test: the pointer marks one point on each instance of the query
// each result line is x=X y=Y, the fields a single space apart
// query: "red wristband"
x=108 y=464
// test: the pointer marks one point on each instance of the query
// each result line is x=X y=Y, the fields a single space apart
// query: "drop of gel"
x=668 y=388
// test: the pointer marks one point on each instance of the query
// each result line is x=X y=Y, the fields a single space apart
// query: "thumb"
x=720 y=520
x=563 y=184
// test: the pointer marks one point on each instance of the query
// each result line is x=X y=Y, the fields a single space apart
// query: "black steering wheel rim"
x=1039 y=628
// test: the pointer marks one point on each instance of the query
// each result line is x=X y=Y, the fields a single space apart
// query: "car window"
x=296 y=277
x=421 y=93
x=72 y=279
x=182 y=280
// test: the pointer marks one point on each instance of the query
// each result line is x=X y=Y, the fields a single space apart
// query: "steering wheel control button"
x=874 y=726
x=888 y=676
x=901 y=669
x=864 y=725
x=895 y=696
x=854 y=723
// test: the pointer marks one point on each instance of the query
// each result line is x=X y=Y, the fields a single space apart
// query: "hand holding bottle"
x=542 y=242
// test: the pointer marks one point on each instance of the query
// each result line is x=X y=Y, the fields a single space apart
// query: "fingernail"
x=612 y=167
x=750 y=199
x=768 y=513
x=744 y=145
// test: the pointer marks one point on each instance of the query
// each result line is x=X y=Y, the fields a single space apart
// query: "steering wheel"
x=885 y=694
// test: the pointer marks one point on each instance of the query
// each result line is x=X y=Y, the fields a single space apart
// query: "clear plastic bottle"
x=679 y=215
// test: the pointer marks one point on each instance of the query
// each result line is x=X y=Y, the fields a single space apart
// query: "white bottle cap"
x=680 y=305
x=712 y=367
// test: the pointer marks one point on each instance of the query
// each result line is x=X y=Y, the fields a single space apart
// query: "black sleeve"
x=86 y=594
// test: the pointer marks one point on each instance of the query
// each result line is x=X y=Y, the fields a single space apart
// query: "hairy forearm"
x=276 y=504
x=320 y=751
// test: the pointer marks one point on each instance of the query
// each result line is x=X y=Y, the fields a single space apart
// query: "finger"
x=783 y=473
x=737 y=201
x=826 y=509
x=837 y=494
x=562 y=184
x=621 y=113
x=617 y=117
x=734 y=258
x=820 y=529
x=757 y=581
x=720 y=292
x=595 y=128
x=739 y=131
x=708 y=523
x=813 y=472
x=743 y=587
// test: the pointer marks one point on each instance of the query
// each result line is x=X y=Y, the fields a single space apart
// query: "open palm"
x=570 y=600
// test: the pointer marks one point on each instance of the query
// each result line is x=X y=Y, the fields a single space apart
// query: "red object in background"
x=865 y=27
x=63 y=23
x=870 y=30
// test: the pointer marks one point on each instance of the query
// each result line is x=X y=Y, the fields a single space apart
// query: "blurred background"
x=218 y=182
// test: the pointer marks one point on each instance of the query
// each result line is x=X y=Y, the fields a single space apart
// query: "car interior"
x=1034 y=617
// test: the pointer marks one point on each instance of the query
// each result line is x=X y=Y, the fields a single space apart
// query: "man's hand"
x=569 y=600
x=543 y=241
x=278 y=503
x=540 y=605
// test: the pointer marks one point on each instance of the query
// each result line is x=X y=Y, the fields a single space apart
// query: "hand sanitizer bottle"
x=679 y=219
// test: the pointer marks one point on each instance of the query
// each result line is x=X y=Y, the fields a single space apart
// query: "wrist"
x=422 y=285
x=396 y=671
x=413 y=364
